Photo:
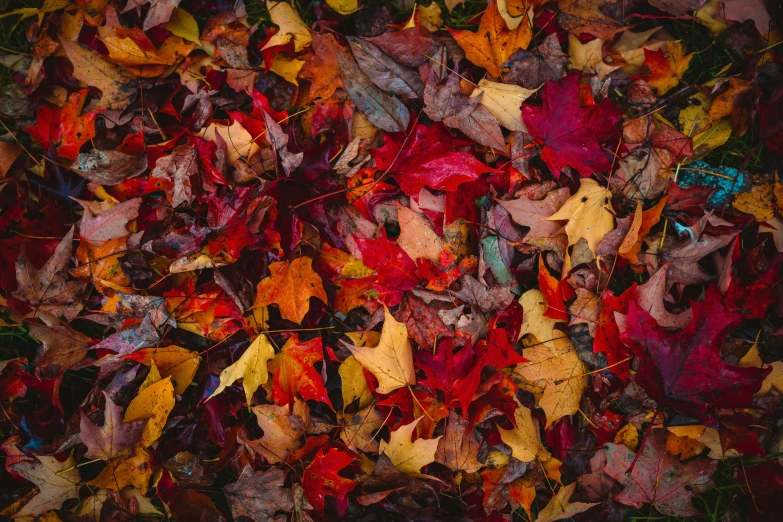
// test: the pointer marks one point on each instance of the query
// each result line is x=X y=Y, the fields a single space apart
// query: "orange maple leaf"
x=294 y=372
x=494 y=43
x=291 y=286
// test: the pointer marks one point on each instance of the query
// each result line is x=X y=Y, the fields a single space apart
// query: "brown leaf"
x=458 y=448
x=108 y=167
x=259 y=495
x=49 y=288
x=424 y=324
x=62 y=345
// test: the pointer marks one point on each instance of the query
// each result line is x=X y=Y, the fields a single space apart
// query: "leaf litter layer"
x=356 y=260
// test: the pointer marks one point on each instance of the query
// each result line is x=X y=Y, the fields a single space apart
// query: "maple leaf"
x=321 y=479
x=657 y=478
x=494 y=42
x=290 y=24
x=100 y=223
x=684 y=370
x=524 y=439
x=62 y=345
x=290 y=286
x=114 y=82
x=57 y=482
x=251 y=367
x=391 y=361
x=406 y=455
x=64 y=130
x=114 y=438
x=589 y=213
x=533 y=213
x=560 y=507
x=134 y=470
x=583 y=16
x=49 y=288
x=459 y=447
x=282 y=430
x=428 y=160
x=359 y=429
x=569 y=133
x=294 y=374
x=259 y=495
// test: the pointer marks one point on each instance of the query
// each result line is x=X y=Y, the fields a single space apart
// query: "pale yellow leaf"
x=589 y=213
x=524 y=439
x=392 y=360
x=417 y=237
x=504 y=101
x=291 y=26
x=239 y=142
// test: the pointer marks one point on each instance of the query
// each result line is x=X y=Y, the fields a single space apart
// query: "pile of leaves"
x=516 y=260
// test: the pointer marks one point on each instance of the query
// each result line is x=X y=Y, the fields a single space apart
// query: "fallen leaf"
x=57 y=482
x=561 y=507
x=321 y=479
x=290 y=286
x=494 y=42
x=114 y=439
x=569 y=133
x=65 y=129
x=258 y=495
x=589 y=213
x=153 y=404
x=93 y=70
x=294 y=374
x=391 y=361
x=408 y=456
x=251 y=367
x=291 y=27
x=657 y=478
x=524 y=439
x=504 y=102
x=458 y=448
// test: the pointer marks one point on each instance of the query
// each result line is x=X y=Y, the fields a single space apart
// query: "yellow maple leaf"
x=239 y=142
x=407 y=456
x=251 y=367
x=126 y=471
x=291 y=286
x=392 y=360
x=524 y=439
x=589 y=214
x=556 y=375
x=534 y=321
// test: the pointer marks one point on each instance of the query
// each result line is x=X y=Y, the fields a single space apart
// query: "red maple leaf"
x=607 y=336
x=396 y=270
x=428 y=159
x=460 y=376
x=569 y=133
x=321 y=479
x=556 y=293
x=294 y=372
x=62 y=128
x=684 y=370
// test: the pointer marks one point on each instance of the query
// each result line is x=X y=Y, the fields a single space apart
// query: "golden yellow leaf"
x=359 y=429
x=589 y=213
x=559 y=508
x=628 y=436
x=354 y=384
x=290 y=286
x=534 y=322
x=407 y=456
x=291 y=26
x=183 y=24
x=286 y=67
x=524 y=439
x=392 y=360
x=152 y=404
x=504 y=101
x=711 y=138
x=758 y=201
x=344 y=7
x=251 y=367
x=557 y=374
x=430 y=17
x=127 y=471
x=93 y=70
